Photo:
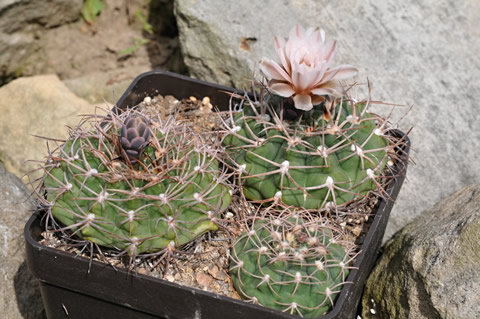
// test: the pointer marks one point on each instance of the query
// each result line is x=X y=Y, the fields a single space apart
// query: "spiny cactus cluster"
x=291 y=261
x=300 y=147
x=136 y=184
x=320 y=159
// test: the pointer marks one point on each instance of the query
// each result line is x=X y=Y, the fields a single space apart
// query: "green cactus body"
x=171 y=197
x=290 y=264
x=321 y=158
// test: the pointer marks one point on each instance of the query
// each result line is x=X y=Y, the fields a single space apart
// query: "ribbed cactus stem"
x=173 y=194
x=291 y=261
x=332 y=155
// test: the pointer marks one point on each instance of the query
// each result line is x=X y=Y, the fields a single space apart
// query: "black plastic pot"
x=70 y=291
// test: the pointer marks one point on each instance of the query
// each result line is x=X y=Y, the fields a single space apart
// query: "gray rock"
x=21 y=25
x=430 y=269
x=101 y=87
x=19 y=291
x=40 y=105
x=415 y=53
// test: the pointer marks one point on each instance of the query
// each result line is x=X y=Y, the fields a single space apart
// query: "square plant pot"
x=70 y=290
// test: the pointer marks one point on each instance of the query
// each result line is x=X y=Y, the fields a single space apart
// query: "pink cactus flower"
x=304 y=72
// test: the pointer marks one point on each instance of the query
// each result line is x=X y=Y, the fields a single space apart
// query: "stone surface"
x=99 y=87
x=423 y=54
x=430 y=269
x=21 y=26
x=19 y=291
x=40 y=105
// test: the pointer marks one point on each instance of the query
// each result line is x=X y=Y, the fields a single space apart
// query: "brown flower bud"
x=134 y=137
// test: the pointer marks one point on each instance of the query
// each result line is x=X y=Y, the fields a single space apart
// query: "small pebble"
x=357 y=230
x=193 y=99
x=206 y=100
x=204 y=280
x=147 y=100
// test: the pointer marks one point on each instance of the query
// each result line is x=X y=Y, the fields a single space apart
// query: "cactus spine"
x=136 y=185
x=327 y=157
x=291 y=262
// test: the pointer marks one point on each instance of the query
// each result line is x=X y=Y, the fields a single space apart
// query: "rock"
x=223 y=46
x=21 y=25
x=414 y=53
x=19 y=291
x=430 y=269
x=98 y=87
x=40 y=105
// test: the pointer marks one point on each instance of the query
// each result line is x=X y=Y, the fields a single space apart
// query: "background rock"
x=430 y=269
x=415 y=53
x=21 y=25
x=19 y=291
x=98 y=87
x=40 y=105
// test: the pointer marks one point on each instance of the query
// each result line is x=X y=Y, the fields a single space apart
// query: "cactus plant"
x=302 y=144
x=290 y=261
x=136 y=185
x=331 y=156
x=303 y=139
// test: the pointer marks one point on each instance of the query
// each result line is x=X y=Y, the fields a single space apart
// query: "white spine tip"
x=370 y=173
x=264 y=117
x=328 y=291
x=298 y=276
x=319 y=264
x=329 y=182
x=242 y=168
x=277 y=222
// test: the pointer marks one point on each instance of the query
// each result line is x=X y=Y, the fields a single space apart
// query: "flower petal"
x=273 y=71
x=327 y=88
x=297 y=32
x=304 y=78
x=317 y=35
x=303 y=102
x=329 y=50
x=280 y=49
x=296 y=39
x=282 y=89
x=341 y=72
